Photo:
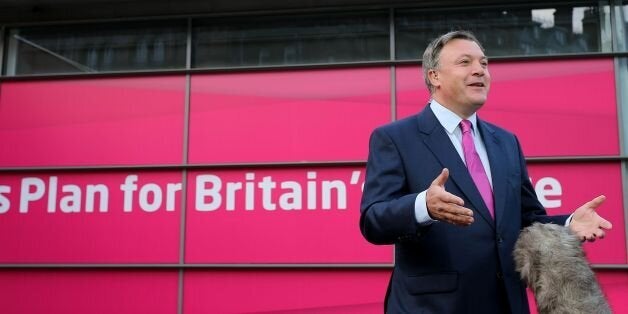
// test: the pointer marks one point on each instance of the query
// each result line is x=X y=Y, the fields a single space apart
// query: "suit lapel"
x=438 y=142
x=496 y=155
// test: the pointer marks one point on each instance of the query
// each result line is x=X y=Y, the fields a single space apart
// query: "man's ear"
x=433 y=77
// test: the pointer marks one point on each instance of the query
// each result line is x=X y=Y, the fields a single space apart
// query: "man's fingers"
x=442 y=178
x=451 y=198
x=605 y=224
x=460 y=220
x=596 y=202
x=455 y=214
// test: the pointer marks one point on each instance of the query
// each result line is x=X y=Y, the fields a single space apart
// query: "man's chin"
x=478 y=103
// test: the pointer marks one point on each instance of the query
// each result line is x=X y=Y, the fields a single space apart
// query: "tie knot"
x=465 y=125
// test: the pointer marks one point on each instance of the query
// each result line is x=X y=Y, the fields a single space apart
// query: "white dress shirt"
x=451 y=122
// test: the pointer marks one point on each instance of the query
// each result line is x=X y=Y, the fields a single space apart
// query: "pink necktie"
x=476 y=169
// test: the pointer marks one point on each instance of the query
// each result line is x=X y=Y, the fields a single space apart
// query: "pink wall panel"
x=285 y=291
x=289 y=221
x=564 y=187
x=268 y=232
x=88 y=291
x=312 y=115
x=615 y=287
x=45 y=218
x=557 y=108
x=92 y=121
x=614 y=284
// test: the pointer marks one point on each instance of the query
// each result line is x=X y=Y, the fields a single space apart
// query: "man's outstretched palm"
x=587 y=224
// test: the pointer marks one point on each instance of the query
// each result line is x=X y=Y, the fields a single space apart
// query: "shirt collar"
x=447 y=118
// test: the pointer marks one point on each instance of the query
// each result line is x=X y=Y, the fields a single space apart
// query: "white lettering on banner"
x=304 y=190
x=27 y=196
x=5 y=203
x=216 y=198
x=292 y=198
x=34 y=189
x=211 y=196
x=547 y=187
x=150 y=195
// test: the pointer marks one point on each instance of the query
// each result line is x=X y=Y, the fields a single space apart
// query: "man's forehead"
x=463 y=47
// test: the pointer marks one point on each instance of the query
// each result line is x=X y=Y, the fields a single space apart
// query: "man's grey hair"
x=431 y=56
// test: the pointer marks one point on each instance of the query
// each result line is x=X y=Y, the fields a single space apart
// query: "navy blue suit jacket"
x=443 y=268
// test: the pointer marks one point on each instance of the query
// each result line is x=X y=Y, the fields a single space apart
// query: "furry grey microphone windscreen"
x=551 y=261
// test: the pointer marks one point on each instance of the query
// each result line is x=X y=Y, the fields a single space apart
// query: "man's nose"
x=478 y=69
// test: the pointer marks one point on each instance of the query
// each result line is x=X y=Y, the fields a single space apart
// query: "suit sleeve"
x=387 y=208
x=532 y=209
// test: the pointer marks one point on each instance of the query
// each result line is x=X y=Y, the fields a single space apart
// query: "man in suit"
x=452 y=192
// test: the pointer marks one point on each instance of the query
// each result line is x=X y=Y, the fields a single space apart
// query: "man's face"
x=461 y=80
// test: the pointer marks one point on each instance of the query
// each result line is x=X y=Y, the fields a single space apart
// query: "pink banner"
x=90 y=218
x=92 y=122
x=311 y=215
x=285 y=291
x=313 y=115
x=278 y=216
x=88 y=291
x=293 y=291
x=564 y=187
x=556 y=108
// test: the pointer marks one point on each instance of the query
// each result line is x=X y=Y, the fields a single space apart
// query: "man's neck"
x=458 y=110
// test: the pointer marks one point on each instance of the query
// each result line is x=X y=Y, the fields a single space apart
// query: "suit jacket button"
x=500 y=275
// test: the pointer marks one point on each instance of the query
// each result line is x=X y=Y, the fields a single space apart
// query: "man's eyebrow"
x=466 y=55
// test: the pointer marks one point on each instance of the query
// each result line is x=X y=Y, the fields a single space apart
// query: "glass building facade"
x=175 y=164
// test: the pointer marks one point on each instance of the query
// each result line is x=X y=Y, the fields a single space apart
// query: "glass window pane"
x=96 y=48
x=281 y=40
x=540 y=30
x=621 y=18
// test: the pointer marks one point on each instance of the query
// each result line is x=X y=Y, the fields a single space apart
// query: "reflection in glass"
x=509 y=31
x=280 y=40
x=96 y=48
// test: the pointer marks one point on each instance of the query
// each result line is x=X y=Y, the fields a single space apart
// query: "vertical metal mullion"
x=393 y=81
x=184 y=173
x=613 y=28
x=182 y=243
x=188 y=48
x=618 y=24
x=603 y=27
x=391 y=21
x=11 y=52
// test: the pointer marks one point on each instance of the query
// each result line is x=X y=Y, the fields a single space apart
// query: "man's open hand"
x=587 y=224
x=444 y=206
